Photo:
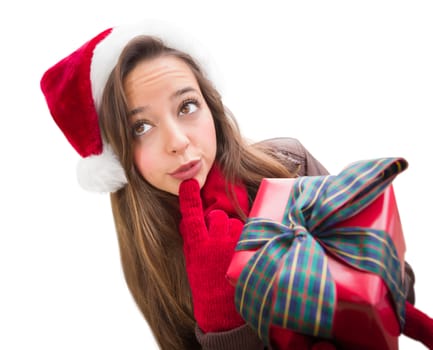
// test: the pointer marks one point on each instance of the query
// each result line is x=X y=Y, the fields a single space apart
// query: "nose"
x=176 y=138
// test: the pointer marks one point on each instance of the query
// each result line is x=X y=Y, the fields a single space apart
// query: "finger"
x=235 y=228
x=192 y=225
x=218 y=223
x=190 y=203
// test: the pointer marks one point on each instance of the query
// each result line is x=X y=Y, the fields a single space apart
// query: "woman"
x=152 y=130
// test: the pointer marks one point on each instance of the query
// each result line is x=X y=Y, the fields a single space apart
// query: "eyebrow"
x=182 y=92
x=175 y=95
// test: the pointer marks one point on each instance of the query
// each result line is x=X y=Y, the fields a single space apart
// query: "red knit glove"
x=210 y=230
x=418 y=326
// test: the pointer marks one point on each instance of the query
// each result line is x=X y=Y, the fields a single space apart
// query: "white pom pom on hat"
x=73 y=90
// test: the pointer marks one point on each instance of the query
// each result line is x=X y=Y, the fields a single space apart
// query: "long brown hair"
x=146 y=218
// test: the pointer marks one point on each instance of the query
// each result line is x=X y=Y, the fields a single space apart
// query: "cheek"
x=208 y=135
x=144 y=162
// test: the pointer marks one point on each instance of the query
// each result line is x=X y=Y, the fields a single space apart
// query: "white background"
x=351 y=80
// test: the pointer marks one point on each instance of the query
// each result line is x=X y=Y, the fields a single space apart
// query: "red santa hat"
x=73 y=90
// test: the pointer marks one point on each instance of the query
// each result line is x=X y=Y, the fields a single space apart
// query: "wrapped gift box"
x=364 y=310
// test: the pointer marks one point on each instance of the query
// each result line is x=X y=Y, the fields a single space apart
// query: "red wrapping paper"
x=364 y=317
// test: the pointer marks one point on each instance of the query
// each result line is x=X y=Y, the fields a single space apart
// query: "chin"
x=201 y=182
x=201 y=178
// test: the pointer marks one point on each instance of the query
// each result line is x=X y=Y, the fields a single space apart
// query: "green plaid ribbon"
x=287 y=282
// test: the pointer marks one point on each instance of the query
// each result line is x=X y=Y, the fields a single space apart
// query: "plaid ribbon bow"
x=287 y=282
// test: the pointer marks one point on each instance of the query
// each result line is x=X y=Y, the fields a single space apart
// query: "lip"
x=187 y=170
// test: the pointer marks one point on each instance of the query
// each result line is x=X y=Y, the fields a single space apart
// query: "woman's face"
x=172 y=126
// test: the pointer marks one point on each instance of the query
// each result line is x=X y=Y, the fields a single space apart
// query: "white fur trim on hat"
x=107 y=52
x=101 y=173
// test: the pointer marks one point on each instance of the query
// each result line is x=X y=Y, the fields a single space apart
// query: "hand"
x=210 y=237
x=418 y=326
x=323 y=345
x=304 y=342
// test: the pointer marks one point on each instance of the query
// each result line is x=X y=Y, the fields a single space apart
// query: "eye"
x=140 y=127
x=188 y=107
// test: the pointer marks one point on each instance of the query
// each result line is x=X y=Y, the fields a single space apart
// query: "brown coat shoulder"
x=290 y=152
